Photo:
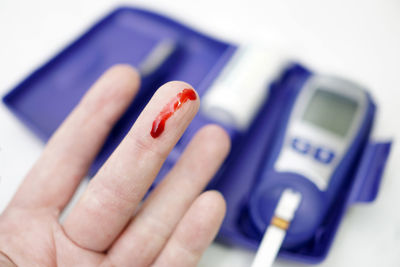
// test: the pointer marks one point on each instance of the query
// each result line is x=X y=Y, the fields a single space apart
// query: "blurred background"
x=359 y=40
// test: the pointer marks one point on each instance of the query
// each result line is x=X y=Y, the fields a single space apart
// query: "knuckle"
x=144 y=146
x=112 y=199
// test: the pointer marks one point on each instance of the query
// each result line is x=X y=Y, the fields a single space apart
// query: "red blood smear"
x=169 y=109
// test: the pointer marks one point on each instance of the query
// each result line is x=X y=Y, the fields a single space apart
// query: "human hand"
x=109 y=226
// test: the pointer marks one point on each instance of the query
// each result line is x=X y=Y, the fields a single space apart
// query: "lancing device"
x=237 y=94
x=158 y=56
x=156 y=64
x=319 y=140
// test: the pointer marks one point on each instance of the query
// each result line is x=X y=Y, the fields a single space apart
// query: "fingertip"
x=113 y=91
x=214 y=202
x=216 y=138
x=124 y=70
x=203 y=220
x=180 y=84
x=125 y=77
x=174 y=87
x=173 y=106
x=195 y=231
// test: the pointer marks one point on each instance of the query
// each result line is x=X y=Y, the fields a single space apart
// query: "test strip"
x=276 y=231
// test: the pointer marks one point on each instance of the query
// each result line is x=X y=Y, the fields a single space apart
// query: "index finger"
x=114 y=193
x=71 y=150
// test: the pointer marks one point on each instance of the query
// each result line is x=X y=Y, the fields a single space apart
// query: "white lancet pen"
x=237 y=94
x=276 y=231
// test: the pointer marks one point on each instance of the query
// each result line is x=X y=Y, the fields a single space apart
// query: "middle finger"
x=114 y=193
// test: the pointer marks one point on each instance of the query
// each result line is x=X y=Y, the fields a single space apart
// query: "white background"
x=356 y=39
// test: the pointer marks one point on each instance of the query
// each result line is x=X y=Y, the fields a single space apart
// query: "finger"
x=118 y=187
x=5 y=261
x=77 y=141
x=195 y=232
x=144 y=238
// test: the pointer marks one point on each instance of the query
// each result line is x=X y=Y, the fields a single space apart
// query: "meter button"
x=324 y=155
x=300 y=145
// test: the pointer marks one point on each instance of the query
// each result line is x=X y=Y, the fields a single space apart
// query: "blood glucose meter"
x=319 y=138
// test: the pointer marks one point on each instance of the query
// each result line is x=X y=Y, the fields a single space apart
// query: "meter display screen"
x=331 y=111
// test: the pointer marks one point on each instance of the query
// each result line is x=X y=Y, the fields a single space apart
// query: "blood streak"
x=169 y=109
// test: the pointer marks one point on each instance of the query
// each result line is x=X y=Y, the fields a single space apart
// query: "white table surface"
x=356 y=39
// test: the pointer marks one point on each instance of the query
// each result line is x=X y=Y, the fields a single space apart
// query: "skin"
x=109 y=226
